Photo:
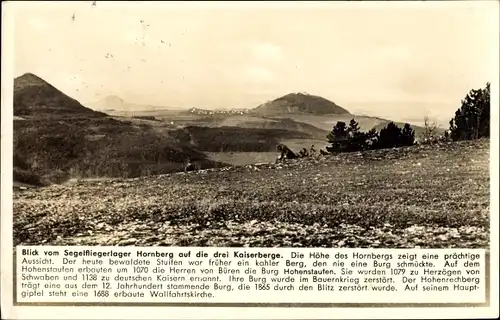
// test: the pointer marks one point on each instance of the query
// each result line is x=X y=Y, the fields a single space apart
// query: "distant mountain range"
x=293 y=103
x=114 y=103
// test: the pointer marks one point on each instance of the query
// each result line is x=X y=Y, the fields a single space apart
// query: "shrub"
x=407 y=135
x=429 y=129
x=152 y=118
x=436 y=139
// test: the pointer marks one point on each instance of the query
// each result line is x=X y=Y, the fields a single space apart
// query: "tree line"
x=471 y=121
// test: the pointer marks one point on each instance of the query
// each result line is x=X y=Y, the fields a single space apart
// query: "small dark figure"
x=323 y=152
x=313 y=150
x=189 y=166
x=286 y=153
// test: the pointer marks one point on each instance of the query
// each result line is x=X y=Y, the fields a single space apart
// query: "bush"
x=407 y=136
x=152 y=118
x=430 y=128
x=436 y=139
x=472 y=119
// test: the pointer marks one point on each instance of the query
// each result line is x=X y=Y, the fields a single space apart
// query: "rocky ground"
x=422 y=196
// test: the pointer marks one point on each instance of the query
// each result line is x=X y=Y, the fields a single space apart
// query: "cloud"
x=267 y=51
x=259 y=74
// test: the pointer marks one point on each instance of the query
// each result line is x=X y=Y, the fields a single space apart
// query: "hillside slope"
x=258 y=122
x=36 y=97
x=299 y=103
x=60 y=139
x=226 y=139
x=420 y=196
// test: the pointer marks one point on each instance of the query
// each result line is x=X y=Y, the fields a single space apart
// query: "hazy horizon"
x=399 y=60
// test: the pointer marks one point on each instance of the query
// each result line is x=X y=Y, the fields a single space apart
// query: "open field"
x=244 y=158
x=326 y=122
x=422 y=196
x=320 y=122
x=252 y=120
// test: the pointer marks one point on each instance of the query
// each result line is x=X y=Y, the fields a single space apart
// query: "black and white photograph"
x=265 y=124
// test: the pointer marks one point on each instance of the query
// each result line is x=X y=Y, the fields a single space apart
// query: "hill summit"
x=110 y=102
x=300 y=103
x=34 y=96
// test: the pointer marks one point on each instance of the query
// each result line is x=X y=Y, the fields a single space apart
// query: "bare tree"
x=430 y=129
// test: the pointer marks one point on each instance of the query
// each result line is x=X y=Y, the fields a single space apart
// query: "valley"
x=57 y=138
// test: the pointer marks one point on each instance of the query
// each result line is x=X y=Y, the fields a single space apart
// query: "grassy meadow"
x=414 y=197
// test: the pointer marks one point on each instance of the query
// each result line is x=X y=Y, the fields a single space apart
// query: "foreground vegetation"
x=364 y=194
x=471 y=121
x=419 y=196
x=59 y=148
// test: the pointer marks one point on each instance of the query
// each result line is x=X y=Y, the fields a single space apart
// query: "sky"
x=403 y=60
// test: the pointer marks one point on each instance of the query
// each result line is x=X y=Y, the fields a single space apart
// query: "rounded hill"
x=300 y=103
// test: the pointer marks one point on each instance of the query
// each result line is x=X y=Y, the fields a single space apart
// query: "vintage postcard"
x=249 y=159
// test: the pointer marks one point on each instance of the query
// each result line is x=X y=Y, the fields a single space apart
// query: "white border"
x=9 y=312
